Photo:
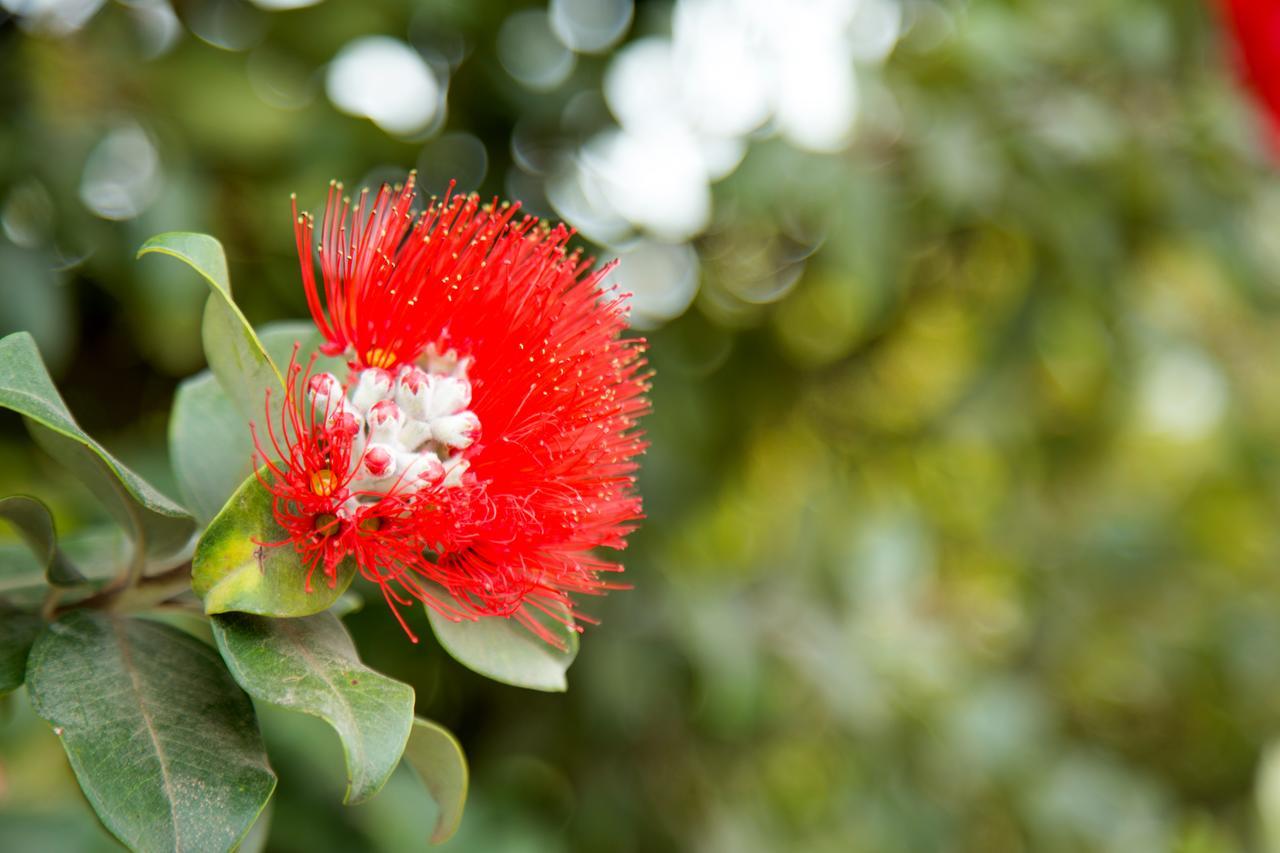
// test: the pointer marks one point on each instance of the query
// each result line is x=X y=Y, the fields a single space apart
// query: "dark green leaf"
x=233 y=571
x=162 y=741
x=505 y=651
x=438 y=759
x=311 y=665
x=155 y=524
x=17 y=632
x=34 y=523
x=235 y=354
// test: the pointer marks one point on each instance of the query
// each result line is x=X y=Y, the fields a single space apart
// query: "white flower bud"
x=323 y=384
x=385 y=422
x=413 y=434
x=454 y=468
x=378 y=462
x=413 y=392
x=456 y=430
x=373 y=385
x=447 y=363
x=446 y=396
x=421 y=469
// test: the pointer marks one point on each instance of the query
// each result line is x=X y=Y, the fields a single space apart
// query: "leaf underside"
x=439 y=761
x=505 y=651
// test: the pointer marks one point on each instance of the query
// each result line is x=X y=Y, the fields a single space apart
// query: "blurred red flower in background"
x=1254 y=26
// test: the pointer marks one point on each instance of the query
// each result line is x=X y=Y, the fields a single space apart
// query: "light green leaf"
x=163 y=742
x=153 y=522
x=260 y=833
x=209 y=438
x=310 y=665
x=235 y=354
x=350 y=602
x=34 y=524
x=235 y=569
x=186 y=621
x=17 y=632
x=439 y=761
x=98 y=552
x=505 y=651
x=210 y=445
x=280 y=337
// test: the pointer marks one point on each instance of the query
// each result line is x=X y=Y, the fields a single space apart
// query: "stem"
x=134 y=575
x=50 y=603
x=145 y=592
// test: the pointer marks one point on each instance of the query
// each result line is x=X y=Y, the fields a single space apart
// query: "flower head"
x=485 y=439
x=1255 y=28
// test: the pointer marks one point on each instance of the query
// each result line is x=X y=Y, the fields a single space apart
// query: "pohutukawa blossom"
x=485 y=438
x=1255 y=28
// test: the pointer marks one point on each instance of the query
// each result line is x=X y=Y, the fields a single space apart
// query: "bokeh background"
x=964 y=478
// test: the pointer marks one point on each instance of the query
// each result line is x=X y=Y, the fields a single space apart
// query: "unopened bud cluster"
x=407 y=427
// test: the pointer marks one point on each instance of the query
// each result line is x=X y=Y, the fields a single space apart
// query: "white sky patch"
x=656 y=179
x=1183 y=394
x=662 y=279
x=54 y=17
x=387 y=81
x=688 y=105
x=280 y=5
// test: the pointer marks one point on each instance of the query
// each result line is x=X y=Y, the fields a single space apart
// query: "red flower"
x=320 y=476
x=1255 y=26
x=494 y=405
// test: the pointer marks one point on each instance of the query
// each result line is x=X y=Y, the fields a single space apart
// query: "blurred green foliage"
x=963 y=480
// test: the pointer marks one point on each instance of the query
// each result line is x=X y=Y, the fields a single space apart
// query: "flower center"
x=323 y=482
x=408 y=427
x=379 y=357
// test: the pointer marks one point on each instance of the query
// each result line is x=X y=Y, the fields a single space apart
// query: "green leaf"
x=186 y=621
x=260 y=833
x=34 y=523
x=163 y=742
x=98 y=552
x=232 y=571
x=155 y=524
x=235 y=354
x=17 y=632
x=209 y=438
x=310 y=665
x=280 y=337
x=210 y=445
x=505 y=651
x=350 y=602
x=438 y=759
